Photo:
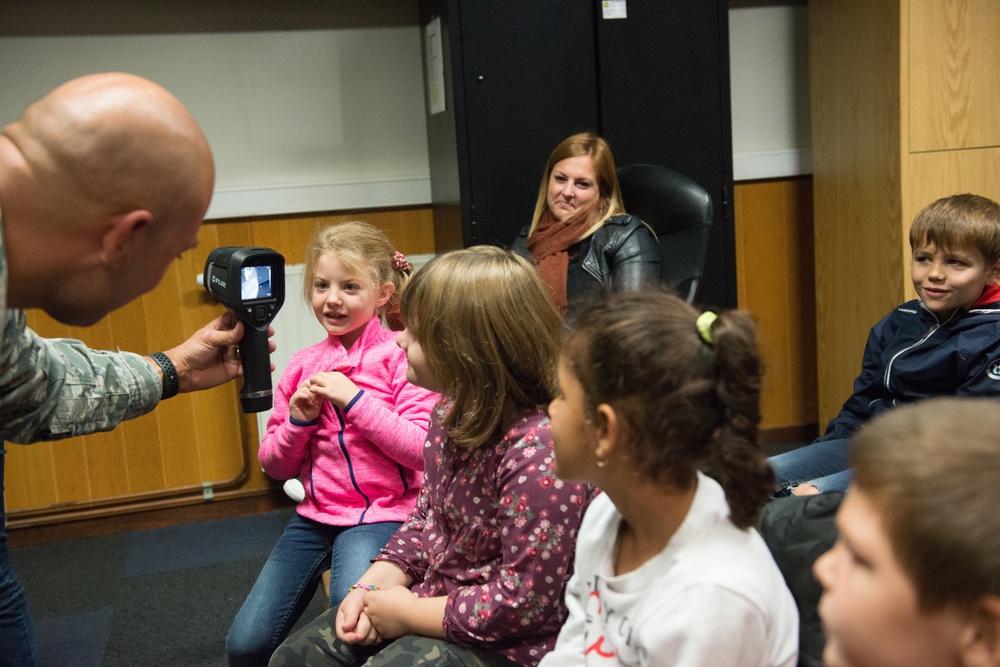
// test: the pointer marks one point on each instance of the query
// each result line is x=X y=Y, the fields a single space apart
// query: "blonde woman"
x=580 y=237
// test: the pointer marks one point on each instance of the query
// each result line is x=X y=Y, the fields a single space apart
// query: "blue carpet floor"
x=154 y=597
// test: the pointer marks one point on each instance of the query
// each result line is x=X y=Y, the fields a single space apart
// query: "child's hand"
x=353 y=625
x=334 y=386
x=304 y=404
x=388 y=610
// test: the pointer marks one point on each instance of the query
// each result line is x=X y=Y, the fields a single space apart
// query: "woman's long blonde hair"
x=585 y=143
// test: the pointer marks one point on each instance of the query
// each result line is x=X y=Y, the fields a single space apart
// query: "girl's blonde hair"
x=363 y=248
x=687 y=390
x=490 y=334
x=585 y=143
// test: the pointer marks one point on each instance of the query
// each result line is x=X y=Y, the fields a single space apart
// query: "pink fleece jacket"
x=362 y=464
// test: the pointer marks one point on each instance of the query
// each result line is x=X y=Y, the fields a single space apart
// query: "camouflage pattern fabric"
x=58 y=388
x=315 y=646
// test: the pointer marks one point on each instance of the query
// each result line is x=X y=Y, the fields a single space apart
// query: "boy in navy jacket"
x=945 y=343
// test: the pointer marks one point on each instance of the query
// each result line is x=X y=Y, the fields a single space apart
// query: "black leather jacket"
x=621 y=256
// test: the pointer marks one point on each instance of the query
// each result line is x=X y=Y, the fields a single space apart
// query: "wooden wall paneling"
x=211 y=422
x=855 y=102
x=906 y=109
x=28 y=477
x=774 y=241
x=154 y=444
x=939 y=174
x=220 y=416
x=192 y=439
x=140 y=468
x=954 y=90
x=153 y=454
x=797 y=218
x=69 y=459
x=412 y=230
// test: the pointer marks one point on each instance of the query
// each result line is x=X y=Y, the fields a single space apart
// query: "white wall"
x=333 y=118
x=303 y=120
x=769 y=86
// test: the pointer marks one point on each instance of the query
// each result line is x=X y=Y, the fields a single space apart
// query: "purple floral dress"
x=494 y=530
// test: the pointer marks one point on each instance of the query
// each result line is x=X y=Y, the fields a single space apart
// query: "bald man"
x=103 y=182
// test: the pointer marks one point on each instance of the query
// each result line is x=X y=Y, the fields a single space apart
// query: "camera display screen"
x=255 y=282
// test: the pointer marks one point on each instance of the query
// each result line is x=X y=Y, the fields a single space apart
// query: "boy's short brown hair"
x=932 y=469
x=959 y=221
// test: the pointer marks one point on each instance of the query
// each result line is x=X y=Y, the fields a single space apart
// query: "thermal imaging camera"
x=251 y=283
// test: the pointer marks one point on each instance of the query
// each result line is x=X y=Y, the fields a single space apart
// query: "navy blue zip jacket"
x=911 y=355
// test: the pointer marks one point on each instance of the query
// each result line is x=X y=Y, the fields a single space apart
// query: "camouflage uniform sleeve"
x=58 y=388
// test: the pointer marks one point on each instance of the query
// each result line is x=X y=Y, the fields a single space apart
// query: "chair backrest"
x=680 y=212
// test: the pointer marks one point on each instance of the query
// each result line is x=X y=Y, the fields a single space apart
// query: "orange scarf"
x=549 y=245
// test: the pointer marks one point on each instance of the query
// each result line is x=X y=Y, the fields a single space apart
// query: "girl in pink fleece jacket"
x=348 y=423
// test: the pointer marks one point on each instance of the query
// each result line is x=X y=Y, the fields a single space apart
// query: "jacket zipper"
x=930 y=332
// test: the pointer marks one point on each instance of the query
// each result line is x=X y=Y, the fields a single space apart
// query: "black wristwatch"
x=171 y=383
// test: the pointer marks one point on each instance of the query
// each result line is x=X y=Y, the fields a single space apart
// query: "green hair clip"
x=704 y=325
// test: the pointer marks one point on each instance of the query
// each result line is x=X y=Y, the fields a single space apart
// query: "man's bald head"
x=120 y=141
x=103 y=182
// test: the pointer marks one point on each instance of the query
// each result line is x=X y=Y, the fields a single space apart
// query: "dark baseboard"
x=62 y=531
x=784 y=434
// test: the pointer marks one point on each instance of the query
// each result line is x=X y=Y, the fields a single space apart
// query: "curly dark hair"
x=687 y=403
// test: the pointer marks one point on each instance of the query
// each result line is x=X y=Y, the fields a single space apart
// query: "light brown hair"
x=962 y=221
x=687 y=403
x=363 y=248
x=585 y=143
x=932 y=470
x=490 y=334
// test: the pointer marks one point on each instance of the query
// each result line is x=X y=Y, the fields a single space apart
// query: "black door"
x=664 y=90
x=524 y=77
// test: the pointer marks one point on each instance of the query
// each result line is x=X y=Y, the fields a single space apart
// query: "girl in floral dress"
x=475 y=576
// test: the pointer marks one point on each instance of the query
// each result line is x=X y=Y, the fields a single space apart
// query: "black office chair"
x=680 y=212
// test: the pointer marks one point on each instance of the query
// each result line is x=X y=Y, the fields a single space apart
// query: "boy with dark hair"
x=914 y=578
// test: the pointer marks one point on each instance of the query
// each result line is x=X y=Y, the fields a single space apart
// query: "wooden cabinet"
x=522 y=75
x=905 y=103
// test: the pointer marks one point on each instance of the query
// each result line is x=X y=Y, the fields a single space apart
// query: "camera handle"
x=225 y=273
x=255 y=354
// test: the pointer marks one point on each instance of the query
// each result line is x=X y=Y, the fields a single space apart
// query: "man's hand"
x=210 y=357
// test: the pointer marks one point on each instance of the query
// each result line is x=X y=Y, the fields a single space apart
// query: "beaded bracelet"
x=364 y=587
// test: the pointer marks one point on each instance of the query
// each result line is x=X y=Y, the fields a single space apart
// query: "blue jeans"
x=290 y=578
x=823 y=464
x=18 y=646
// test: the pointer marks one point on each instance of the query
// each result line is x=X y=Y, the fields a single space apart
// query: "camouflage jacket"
x=57 y=388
